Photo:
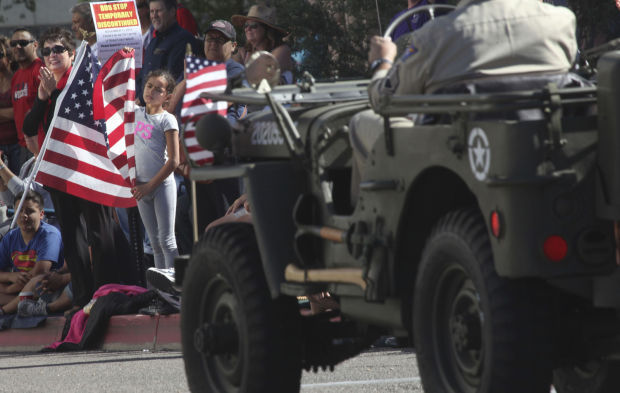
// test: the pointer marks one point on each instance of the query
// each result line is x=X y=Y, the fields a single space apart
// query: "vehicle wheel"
x=475 y=331
x=235 y=338
x=592 y=377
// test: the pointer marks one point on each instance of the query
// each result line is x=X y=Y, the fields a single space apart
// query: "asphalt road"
x=373 y=371
x=377 y=370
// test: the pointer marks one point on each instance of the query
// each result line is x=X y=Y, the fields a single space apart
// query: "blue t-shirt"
x=46 y=245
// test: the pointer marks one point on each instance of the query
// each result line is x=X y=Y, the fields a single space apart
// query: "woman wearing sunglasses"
x=58 y=49
x=263 y=34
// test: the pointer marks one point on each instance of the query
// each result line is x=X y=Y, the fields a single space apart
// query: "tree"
x=597 y=21
x=29 y=4
x=331 y=36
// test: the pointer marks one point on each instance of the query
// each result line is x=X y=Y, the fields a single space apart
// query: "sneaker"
x=31 y=308
x=162 y=279
x=173 y=300
x=158 y=307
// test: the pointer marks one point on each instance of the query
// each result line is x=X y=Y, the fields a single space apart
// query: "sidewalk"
x=125 y=333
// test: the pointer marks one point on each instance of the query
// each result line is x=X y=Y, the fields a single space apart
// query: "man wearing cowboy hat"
x=167 y=49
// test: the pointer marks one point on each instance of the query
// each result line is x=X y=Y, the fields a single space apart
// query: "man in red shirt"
x=24 y=85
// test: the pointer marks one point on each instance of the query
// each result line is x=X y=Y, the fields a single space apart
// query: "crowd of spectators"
x=66 y=247
x=91 y=241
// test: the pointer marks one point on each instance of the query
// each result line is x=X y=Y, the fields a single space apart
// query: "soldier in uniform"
x=479 y=39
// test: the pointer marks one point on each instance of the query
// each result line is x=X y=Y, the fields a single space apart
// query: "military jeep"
x=485 y=231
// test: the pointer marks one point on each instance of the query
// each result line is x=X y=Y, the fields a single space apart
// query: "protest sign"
x=117 y=25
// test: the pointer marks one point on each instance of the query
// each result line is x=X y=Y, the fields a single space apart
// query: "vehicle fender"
x=273 y=189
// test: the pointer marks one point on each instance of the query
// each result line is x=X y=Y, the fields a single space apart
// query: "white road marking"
x=367 y=382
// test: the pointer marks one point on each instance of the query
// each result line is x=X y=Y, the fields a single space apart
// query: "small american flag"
x=117 y=106
x=202 y=76
x=75 y=157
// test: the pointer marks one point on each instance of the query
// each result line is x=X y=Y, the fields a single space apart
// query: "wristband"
x=375 y=64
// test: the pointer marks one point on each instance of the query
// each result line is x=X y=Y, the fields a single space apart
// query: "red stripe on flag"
x=83 y=167
x=79 y=141
x=205 y=161
x=83 y=192
x=209 y=69
x=120 y=161
x=198 y=103
x=114 y=106
x=113 y=80
x=206 y=85
x=115 y=135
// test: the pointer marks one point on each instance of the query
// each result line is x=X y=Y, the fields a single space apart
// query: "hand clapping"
x=48 y=83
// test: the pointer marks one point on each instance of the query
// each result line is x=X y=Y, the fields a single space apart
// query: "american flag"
x=202 y=76
x=75 y=156
x=116 y=105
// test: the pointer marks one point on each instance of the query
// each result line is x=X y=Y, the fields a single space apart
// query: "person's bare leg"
x=31 y=285
x=61 y=304
x=5 y=299
x=11 y=307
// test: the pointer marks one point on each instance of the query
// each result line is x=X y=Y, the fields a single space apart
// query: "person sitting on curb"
x=27 y=253
x=12 y=184
x=53 y=291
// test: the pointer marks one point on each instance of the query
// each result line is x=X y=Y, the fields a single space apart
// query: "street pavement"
x=376 y=370
x=382 y=370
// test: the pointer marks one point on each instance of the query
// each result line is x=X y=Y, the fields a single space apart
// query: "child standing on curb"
x=156 y=143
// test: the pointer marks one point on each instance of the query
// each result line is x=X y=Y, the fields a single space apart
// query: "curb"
x=124 y=333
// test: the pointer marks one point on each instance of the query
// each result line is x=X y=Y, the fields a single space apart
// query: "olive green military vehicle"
x=485 y=231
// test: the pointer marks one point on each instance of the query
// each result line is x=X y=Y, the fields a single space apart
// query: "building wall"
x=47 y=13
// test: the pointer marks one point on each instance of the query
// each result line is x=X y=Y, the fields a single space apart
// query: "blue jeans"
x=157 y=211
x=123 y=221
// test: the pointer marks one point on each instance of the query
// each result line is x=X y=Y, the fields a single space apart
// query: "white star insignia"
x=81 y=82
x=74 y=96
x=89 y=102
x=85 y=92
x=67 y=110
x=479 y=153
x=77 y=105
x=81 y=116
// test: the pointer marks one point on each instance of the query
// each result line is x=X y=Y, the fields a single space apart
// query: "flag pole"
x=37 y=162
x=188 y=52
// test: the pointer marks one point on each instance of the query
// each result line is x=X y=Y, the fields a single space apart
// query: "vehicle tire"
x=593 y=377
x=475 y=331
x=235 y=338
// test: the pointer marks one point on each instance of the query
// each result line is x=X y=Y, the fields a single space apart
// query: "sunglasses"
x=21 y=43
x=57 y=49
x=250 y=26
x=219 y=41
